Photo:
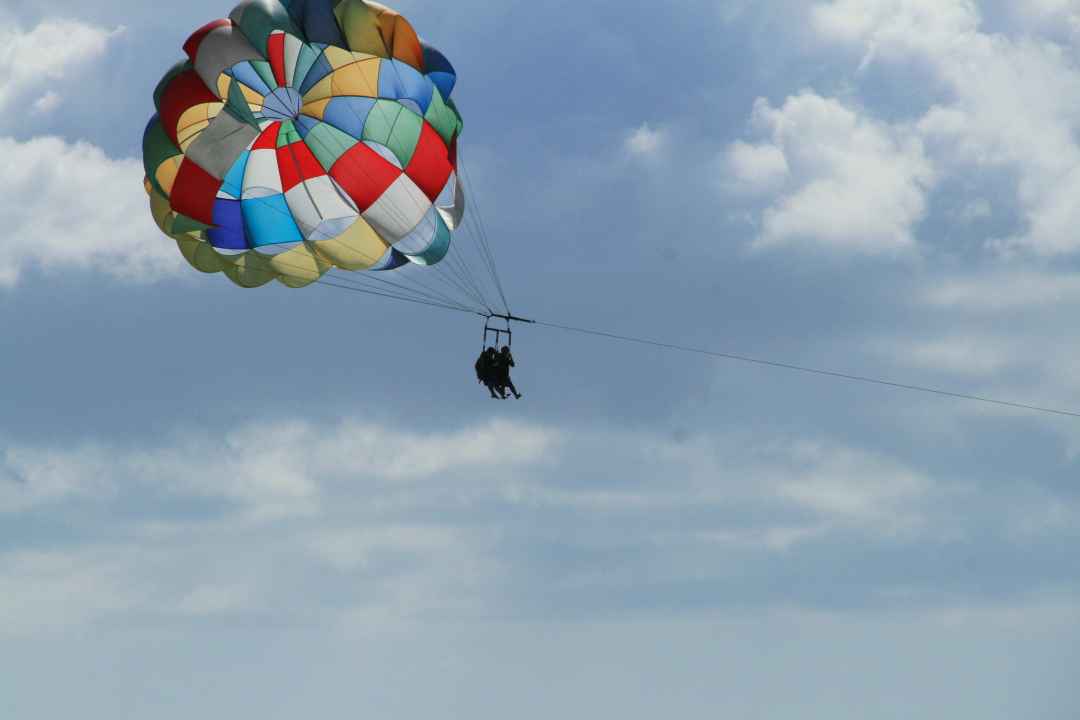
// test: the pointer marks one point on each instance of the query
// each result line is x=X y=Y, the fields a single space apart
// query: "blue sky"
x=280 y=504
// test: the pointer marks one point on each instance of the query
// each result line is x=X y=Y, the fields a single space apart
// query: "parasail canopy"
x=303 y=135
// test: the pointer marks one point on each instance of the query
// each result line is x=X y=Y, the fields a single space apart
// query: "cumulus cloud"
x=1006 y=102
x=1050 y=15
x=1001 y=103
x=646 y=141
x=893 y=29
x=31 y=477
x=966 y=356
x=271 y=471
x=840 y=179
x=999 y=332
x=31 y=62
x=47 y=103
x=49 y=591
x=399 y=522
x=69 y=205
x=994 y=292
x=851 y=486
x=754 y=169
x=289 y=498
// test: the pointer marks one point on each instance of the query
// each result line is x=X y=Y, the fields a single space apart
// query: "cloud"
x=31 y=477
x=754 y=169
x=67 y=205
x=210 y=600
x=271 y=471
x=646 y=141
x=47 y=103
x=43 y=591
x=70 y=206
x=1015 y=119
x=840 y=179
x=894 y=29
x=323 y=522
x=1006 y=103
x=1061 y=16
x=965 y=356
x=997 y=331
x=32 y=63
x=399 y=523
x=851 y=486
x=996 y=291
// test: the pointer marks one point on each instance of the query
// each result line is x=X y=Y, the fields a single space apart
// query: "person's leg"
x=510 y=384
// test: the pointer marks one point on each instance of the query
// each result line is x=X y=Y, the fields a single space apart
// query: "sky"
x=281 y=504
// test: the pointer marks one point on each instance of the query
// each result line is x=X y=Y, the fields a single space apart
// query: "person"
x=486 y=372
x=502 y=367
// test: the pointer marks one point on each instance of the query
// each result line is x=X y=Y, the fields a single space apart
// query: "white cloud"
x=646 y=141
x=272 y=471
x=754 y=169
x=30 y=477
x=997 y=332
x=68 y=205
x=778 y=538
x=350 y=550
x=32 y=62
x=991 y=293
x=1061 y=16
x=853 y=184
x=893 y=29
x=48 y=103
x=59 y=590
x=1002 y=103
x=323 y=523
x=843 y=487
x=209 y=600
x=966 y=356
x=851 y=486
x=1006 y=102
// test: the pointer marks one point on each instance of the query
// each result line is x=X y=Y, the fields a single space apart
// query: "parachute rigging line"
x=866 y=380
x=488 y=254
x=455 y=265
x=811 y=371
x=358 y=279
x=355 y=283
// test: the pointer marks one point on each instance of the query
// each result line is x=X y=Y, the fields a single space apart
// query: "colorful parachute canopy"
x=301 y=135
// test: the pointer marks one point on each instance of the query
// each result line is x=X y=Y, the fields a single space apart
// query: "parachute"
x=305 y=135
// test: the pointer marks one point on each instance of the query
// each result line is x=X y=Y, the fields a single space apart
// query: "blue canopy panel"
x=268 y=221
x=233 y=185
x=317 y=19
x=439 y=70
x=320 y=68
x=307 y=59
x=228 y=231
x=349 y=114
x=245 y=72
x=400 y=81
x=392 y=260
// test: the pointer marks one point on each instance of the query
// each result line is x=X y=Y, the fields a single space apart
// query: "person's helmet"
x=505 y=350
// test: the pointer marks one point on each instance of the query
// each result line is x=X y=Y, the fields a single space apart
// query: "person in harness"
x=487 y=372
x=504 y=362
